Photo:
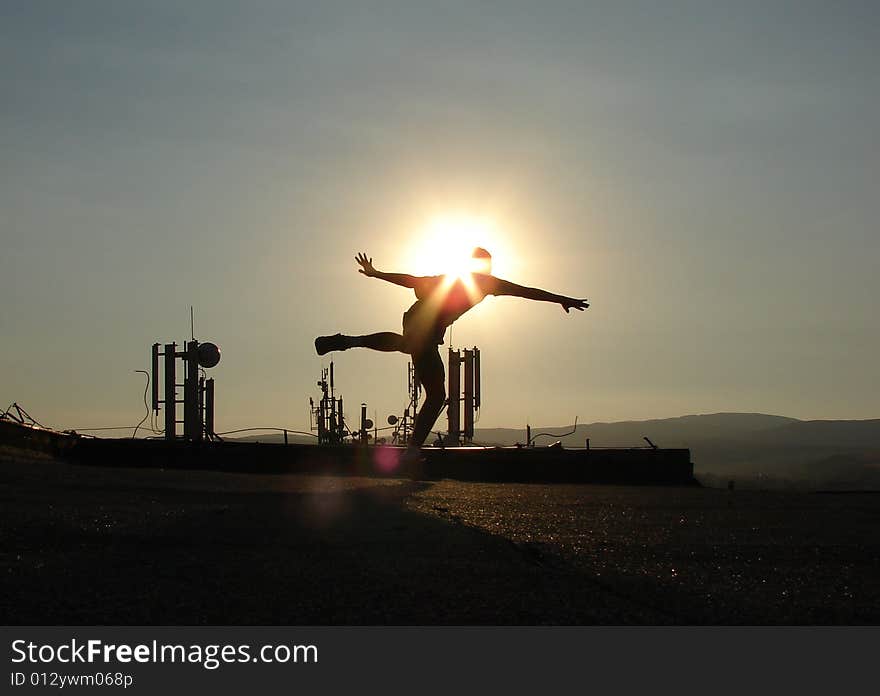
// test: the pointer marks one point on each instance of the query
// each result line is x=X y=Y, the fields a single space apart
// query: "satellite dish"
x=368 y=424
x=209 y=354
x=392 y=419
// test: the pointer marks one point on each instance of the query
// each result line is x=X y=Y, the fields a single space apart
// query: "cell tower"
x=470 y=400
x=326 y=416
x=198 y=392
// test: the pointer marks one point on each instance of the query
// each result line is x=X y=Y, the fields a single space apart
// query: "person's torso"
x=439 y=305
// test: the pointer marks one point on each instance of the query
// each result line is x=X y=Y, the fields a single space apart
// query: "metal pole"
x=363 y=424
x=333 y=419
x=170 y=356
x=209 y=408
x=340 y=423
x=468 y=395
x=200 y=410
x=154 y=366
x=477 y=378
x=454 y=395
x=190 y=392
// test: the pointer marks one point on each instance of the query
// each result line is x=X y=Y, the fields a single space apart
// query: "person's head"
x=482 y=261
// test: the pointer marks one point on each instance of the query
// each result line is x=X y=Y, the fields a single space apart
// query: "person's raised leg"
x=385 y=341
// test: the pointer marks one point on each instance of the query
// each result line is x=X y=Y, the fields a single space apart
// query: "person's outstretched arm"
x=403 y=279
x=505 y=287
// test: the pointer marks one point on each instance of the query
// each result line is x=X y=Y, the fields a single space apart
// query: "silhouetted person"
x=440 y=301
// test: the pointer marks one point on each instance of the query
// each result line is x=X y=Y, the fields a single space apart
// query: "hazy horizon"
x=703 y=173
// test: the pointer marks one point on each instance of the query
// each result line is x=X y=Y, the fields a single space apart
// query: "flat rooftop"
x=108 y=545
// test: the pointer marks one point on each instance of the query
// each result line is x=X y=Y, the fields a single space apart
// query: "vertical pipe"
x=363 y=424
x=453 y=413
x=190 y=392
x=209 y=408
x=468 y=394
x=340 y=423
x=170 y=392
x=409 y=382
x=477 y=378
x=154 y=367
x=414 y=387
x=200 y=409
x=528 y=435
x=333 y=421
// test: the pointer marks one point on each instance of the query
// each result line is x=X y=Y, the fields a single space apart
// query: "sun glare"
x=448 y=244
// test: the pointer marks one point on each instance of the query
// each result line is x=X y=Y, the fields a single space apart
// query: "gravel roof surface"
x=89 y=545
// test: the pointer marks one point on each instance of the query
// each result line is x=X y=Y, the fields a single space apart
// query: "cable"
x=115 y=427
x=570 y=432
x=146 y=405
x=244 y=430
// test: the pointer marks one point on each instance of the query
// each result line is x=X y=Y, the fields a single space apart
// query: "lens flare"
x=386 y=459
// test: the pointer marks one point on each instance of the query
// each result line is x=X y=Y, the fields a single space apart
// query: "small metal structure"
x=414 y=391
x=470 y=400
x=326 y=416
x=366 y=424
x=198 y=392
x=403 y=425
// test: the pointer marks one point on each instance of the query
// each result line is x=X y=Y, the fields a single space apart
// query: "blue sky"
x=705 y=173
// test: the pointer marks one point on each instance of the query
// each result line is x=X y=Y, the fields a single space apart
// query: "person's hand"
x=570 y=303
x=366 y=265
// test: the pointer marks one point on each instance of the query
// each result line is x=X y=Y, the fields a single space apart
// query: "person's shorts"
x=421 y=337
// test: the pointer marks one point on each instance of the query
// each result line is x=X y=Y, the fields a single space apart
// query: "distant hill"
x=275 y=437
x=664 y=432
x=860 y=433
x=762 y=449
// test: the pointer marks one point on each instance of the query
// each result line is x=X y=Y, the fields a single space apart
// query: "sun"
x=447 y=244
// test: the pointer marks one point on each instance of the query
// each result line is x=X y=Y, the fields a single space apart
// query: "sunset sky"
x=705 y=173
